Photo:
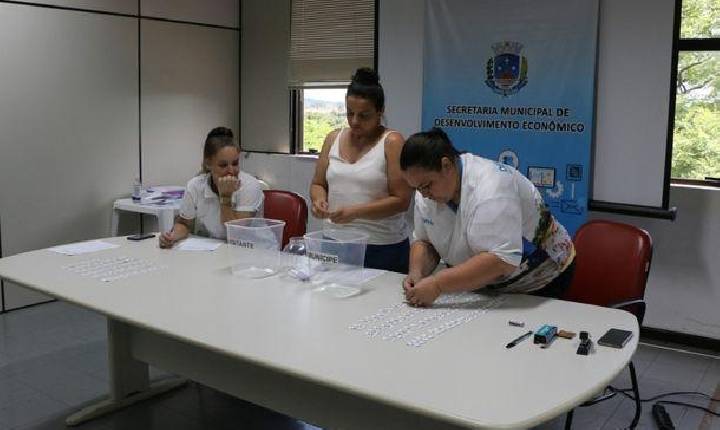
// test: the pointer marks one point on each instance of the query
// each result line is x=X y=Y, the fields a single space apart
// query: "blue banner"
x=513 y=80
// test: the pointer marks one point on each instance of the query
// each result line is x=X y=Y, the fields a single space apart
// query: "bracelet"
x=225 y=200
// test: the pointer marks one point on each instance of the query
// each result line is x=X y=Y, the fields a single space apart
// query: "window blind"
x=330 y=39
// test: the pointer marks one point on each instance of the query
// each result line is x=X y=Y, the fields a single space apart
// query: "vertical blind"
x=330 y=39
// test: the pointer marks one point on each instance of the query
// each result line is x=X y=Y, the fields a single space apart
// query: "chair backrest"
x=611 y=266
x=289 y=207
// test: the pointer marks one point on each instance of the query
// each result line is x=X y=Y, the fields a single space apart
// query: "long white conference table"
x=277 y=343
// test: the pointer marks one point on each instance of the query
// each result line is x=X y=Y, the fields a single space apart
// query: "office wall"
x=70 y=111
x=265 y=97
x=117 y=6
x=683 y=291
x=215 y=12
x=189 y=86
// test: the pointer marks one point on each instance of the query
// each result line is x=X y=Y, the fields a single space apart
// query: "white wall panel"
x=190 y=81
x=400 y=62
x=117 y=6
x=217 y=12
x=633 y=101
x=265 y=97
x=69 y=121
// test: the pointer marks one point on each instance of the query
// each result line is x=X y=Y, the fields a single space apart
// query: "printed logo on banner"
x=509 y=157
x=574 y=172
x=507 y=70
x=543 y=177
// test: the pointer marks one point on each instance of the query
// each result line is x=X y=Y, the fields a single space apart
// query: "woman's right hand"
x=320 y=209
x=167 y=240
x=410 y=280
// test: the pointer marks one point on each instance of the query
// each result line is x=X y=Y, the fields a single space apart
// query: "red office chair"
x=289 y=207
x=612 y=265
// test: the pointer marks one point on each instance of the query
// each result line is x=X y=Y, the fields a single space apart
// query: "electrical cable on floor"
x=626 y=392
x=688 y=405
x=659 y=414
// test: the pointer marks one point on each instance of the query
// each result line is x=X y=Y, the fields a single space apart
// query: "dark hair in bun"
x=427 y=149
x=217 y=138
x=366 y=84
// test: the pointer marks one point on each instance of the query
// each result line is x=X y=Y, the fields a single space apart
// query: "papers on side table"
x=83 y=247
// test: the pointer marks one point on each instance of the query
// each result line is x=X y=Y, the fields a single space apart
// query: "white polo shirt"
x=201 y=204
x=498 y=208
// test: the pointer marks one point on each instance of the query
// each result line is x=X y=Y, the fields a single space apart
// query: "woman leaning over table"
x=220 y=193
x=358 y=184
x=486 y=220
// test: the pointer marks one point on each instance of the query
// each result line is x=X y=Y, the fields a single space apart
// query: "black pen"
x=518 y=339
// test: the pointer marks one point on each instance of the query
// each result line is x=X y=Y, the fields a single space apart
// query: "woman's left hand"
x=227 y=185
x=343 y=215
x=424 y=293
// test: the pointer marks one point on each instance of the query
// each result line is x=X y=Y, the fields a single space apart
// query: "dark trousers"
x=557 y=287
x=394 y=257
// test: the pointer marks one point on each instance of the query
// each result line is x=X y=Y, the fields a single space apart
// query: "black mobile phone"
x=615 y=338
x=141 y=236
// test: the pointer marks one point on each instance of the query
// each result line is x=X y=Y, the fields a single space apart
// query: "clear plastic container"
x=335 y=261
x=263 y=236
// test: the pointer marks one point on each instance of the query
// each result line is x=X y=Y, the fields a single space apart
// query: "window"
x=696 y=135
x=322 y=110
x=329 y=40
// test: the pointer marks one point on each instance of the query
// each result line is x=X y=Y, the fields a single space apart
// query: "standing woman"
x=358 y=183
x=220 y=193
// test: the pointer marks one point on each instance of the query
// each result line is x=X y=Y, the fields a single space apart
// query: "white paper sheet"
x=199 y=244
x=83 y=247
x=109 y=269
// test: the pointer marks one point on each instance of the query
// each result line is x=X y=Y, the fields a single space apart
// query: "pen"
x=518 y=339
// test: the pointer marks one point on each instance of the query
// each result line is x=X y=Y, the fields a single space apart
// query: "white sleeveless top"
x=362 y=182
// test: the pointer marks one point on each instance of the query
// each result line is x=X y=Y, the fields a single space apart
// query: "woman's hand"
x=344 y=215
x=423 y=293
x=320 y=209
x=167 y=240
x=410 y=280
x=227 y=185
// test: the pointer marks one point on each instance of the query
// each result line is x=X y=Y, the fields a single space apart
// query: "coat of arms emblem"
x=507 y=69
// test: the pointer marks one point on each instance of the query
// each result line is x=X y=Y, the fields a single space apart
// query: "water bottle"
x=137 y=190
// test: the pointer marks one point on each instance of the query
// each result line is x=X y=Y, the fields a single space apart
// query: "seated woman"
x=220 y=193
x=358 y=183
x=478 y=215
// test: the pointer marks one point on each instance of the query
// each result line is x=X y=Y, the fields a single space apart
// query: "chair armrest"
x=626 y=303
x=629 y=304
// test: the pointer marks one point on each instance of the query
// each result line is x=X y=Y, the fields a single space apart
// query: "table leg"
x=129 y=378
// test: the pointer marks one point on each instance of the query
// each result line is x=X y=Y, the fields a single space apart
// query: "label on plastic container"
x=323 y=258
x=243 y=244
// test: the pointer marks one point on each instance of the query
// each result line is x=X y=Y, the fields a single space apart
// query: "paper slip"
x=83 y=247
x=199 y=244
